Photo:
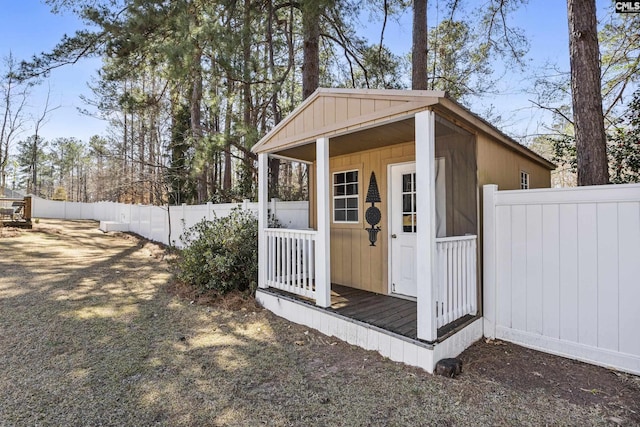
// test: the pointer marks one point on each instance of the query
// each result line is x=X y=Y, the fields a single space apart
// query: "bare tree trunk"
x=12 y=117
x=39 y=122
x=132 y=187
x=586 y=93
x=141 y=148
x=196 y=122
x=274 y=164
x=249 y=114
x=125 y=139
x=311 y=47
x=226 y=183
x=419 y=47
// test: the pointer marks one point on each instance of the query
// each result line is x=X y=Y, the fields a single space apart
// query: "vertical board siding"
x=329 y=110
x=308 y=118
x=568 y=253
x=353 y=108
x=298 y=124
x=318 y=115
x=367 y=106
x=567 y=272
x=499 y=165
x=503 y=274
x=519 y=267
x=341 y=108
x=607 y=290
x=353 y=261
x=587 y=275
x=534 y=269
x=629 y=277
x=550 y=253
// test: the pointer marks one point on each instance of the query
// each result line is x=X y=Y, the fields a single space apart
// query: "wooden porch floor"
x=393 y=314
x=390 y=313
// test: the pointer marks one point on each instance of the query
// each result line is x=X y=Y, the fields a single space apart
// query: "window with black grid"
x=345 y=196
x=409 y=203
x=524 y=180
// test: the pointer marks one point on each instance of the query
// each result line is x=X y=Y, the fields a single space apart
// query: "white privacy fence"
x=562 y=271
x=291 y=260
x=457 y=284
x=155 y=223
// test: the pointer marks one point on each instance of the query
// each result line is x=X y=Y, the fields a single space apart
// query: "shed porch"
x=345 y=320
x=419 y=165
x=293 y=260
x=395 y=315
x=400 y=139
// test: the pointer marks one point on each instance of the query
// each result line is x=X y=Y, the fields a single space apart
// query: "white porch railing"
x=457 y=284
x=291 y=262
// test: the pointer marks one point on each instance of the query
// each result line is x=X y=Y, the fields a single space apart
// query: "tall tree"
x=624 y=146
x=433 y=58
x=459 y=62
x=13 y=98
x=586 y=93
x=220 y=73
x=38 y=122
x=619 y=44
x=419 y=46
x=30 y=157
x=311 y=46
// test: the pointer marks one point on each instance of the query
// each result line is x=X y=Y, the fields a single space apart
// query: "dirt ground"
x=94 y=332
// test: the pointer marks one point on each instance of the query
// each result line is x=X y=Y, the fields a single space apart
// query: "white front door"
x=403 y=217
x=402 y=208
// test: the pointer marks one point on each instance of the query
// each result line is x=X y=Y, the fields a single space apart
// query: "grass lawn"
x=93 y=332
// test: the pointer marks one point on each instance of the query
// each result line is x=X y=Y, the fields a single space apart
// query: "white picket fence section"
x=562 y=271
x=291 y=260
x=154 y=222
x=457 y=284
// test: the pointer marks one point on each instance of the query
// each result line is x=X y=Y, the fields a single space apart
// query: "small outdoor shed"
x=390 y=260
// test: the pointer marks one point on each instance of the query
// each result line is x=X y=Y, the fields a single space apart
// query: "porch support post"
x=263 y=209
x=489 y=259
x=323 y=247
x=426 y=230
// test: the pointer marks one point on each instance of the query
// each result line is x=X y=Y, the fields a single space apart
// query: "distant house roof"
x=336 y=113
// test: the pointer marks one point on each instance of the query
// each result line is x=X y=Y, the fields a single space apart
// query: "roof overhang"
x=361 y=119
x=335 y=112
x=454 y=111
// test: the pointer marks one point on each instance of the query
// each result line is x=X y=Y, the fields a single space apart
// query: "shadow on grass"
x=93 y=337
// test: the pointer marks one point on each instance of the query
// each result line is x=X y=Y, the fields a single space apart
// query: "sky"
x=27 y=27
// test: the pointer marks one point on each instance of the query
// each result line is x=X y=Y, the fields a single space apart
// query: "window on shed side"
x=524 y=180
x=345 y=196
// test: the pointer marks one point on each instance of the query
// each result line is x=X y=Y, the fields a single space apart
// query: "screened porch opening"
x=456 y=223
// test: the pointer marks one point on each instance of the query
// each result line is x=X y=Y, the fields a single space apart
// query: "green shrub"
x=221 y=255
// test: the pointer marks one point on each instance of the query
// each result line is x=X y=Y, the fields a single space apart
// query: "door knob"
x=393 y=236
